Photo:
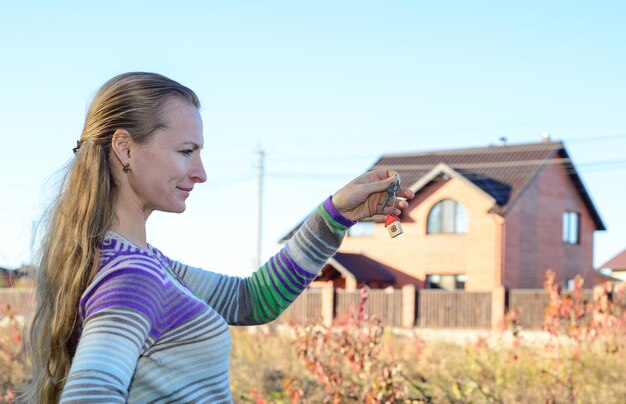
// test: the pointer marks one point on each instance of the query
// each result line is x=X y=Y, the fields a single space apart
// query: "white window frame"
x=452 y=218
x=571 y=227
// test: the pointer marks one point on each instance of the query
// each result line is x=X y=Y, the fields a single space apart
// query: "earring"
x=126 y=167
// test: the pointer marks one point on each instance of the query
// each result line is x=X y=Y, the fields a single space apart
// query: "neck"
x=131 y=222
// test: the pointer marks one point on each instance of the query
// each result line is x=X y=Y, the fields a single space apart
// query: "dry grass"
x=266 y=368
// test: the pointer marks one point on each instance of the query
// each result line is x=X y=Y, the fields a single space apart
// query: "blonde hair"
x=80 y=217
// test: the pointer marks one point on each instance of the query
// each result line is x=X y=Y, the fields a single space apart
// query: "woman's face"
x=165 y=170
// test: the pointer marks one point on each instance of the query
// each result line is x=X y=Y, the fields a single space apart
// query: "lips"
x=185 y=189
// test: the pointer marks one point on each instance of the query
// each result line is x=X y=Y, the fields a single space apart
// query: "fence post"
x=408 y=306
x=328 y=304
x=497 y=306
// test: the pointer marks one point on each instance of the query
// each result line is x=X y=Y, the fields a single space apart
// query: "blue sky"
x=323 y=88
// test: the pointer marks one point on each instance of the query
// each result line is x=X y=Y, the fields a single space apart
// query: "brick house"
x=482 y=219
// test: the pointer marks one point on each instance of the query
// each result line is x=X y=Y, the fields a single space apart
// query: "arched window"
x=447 y=217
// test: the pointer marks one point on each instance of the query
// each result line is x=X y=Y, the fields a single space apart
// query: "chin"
x=176 y=208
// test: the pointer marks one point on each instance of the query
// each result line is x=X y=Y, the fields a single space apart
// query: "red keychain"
x=393 y=226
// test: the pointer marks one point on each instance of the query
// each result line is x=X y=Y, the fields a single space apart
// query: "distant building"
x=615 y=267
x=482 y=218
x=15 y=277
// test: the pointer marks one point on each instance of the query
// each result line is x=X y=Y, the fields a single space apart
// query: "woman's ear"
x=120 y=145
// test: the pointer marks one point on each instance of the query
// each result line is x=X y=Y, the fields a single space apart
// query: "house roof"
x=364 y=268
x=503 y=172
x=617 y=262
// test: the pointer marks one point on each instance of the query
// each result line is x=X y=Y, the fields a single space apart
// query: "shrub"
x=13 y=365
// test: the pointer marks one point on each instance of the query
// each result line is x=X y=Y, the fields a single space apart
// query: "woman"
x=116 y=319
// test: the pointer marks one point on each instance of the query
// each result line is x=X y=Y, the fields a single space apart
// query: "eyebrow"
x=194 y=145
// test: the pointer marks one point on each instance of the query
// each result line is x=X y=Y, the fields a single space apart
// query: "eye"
x=186 y=152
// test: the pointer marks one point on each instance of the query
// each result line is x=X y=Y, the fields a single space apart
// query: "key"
x=392 y=192
x=393 y=223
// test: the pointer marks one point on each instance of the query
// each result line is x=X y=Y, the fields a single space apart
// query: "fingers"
x=380 y=174
x=406 y=193
x=379 y=218
x=394 y=209
x=390 y=210
x=378 y=181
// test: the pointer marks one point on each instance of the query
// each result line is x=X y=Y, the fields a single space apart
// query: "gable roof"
x=503 y=172
x=618 y=262
x=442 y=172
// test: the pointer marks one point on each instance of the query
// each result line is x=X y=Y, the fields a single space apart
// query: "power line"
x=427 y=167
x=596 y=138
x=374 y=155
x=224 y=182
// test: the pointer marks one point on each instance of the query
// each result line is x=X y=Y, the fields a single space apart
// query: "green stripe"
x=273 y=297
x=280 y=286
x=275 y=291
x=259 y=314
x=334 y=226
x=294 y=275
x=259 y=294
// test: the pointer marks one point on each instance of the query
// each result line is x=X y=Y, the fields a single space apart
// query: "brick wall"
x=476 y=254
x=534 y=229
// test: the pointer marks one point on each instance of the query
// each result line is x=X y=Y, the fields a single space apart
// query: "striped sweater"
x=155 y=330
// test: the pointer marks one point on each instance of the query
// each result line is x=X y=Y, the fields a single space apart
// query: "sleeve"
x=261 y=297
x=121 y=317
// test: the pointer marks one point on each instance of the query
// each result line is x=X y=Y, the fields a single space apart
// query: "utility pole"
x=260 y=205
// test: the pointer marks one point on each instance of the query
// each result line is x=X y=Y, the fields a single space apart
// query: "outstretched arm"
x=261 y=297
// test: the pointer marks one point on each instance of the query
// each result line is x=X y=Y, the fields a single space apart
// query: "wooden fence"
x=454 y=309
x=382 y=303
x=307 y=307
x=20 y=301
x=432 y=308
x=529 y=305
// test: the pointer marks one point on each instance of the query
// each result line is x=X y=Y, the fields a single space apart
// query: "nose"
x=197 y=173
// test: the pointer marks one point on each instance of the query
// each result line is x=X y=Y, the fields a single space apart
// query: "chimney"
x=503 y=141
x=545 y=137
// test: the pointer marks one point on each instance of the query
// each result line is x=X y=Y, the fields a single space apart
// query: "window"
x=446 y=282
x=447 y=217
x=571 y=227
x=362 y=229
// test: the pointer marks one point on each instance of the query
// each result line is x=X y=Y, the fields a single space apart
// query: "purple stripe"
x=129 y=288
x=114 y=294
x=182 y=312
x=117 y=293
x=305 y=275
x=334 y=213
x=120 y=272
x=290 y=281
x=148 y=309
x=276 y=289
